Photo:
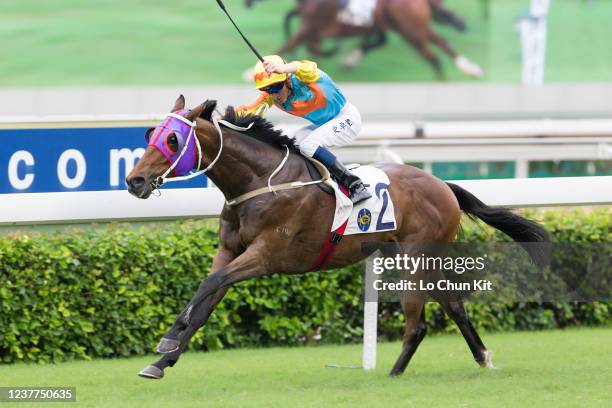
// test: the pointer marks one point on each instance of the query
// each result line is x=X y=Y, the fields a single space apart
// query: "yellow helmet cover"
x=264 y=79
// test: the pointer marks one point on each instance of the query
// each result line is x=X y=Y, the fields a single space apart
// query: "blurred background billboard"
x=462 y=88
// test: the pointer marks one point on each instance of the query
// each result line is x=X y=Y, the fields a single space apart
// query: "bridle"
x=192 y=135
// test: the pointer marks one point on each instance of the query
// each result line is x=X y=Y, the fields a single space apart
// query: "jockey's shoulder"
x=307 y=71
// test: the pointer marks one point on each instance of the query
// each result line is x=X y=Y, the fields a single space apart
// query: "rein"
x=284 y=186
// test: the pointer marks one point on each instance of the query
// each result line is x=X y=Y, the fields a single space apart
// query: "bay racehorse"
x=411 y=19
x=275 y=233
x=439 y=12
x=377 y=37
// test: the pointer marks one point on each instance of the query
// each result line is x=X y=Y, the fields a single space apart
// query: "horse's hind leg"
x=293 y=42
x=420 y=43
x=456 y=311
x=380 y=39
x=442 y=43
x=430 y=57
x=371 y=41
x=463 y=63
x=414 y=333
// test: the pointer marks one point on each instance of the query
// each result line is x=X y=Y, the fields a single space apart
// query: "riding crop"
x=220 y=3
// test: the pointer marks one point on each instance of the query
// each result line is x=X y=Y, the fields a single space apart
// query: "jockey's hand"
x=272 y=68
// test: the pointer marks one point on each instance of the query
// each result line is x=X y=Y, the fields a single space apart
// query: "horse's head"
x=172 y=150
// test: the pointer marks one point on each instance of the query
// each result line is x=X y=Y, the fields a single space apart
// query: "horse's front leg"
x=222 y=258
x=294 y=41
x=156 y=370
x=248 y=265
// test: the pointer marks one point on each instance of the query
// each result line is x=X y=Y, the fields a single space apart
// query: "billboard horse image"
x=411 y=19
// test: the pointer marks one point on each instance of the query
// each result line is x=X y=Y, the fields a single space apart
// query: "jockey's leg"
x=357 y=189
x=340 y=131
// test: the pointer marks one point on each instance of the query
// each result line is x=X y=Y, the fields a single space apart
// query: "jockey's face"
x=282 y=95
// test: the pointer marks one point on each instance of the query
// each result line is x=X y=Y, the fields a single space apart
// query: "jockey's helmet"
x=262 y=78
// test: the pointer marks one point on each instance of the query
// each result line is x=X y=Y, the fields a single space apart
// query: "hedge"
x=114 y=291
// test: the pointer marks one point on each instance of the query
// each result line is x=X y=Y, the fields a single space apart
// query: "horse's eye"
x=172 y=142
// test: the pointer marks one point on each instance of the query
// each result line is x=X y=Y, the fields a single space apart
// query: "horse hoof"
x=395 y=374
x=488 y=360
x=166 y=346
x=152 y=372
x=351 y=60
x=468 y=67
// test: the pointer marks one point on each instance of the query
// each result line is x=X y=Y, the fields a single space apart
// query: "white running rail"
x=107 y=206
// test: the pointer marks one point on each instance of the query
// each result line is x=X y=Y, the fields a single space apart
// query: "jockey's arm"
x=306 y=71
x=258 y=107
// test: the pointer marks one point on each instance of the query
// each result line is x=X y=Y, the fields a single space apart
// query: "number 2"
x=385 y=197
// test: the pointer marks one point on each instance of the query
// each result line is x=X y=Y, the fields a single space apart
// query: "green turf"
x=151 y=42
x=556 y=368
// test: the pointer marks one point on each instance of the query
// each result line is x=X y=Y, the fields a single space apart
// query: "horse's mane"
x=261 y=129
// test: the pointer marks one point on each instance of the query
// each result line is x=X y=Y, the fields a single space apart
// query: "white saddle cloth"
x=375 y=214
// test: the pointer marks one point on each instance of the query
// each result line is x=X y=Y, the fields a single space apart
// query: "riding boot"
x=357 y=189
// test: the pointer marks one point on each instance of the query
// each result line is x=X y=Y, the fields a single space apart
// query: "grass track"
x=156 y=42
x=555 y=368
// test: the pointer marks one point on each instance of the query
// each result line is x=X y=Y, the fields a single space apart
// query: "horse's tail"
x=291 y=14
x=520 y=229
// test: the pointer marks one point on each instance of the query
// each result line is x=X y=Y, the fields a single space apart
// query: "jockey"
x=301 y=89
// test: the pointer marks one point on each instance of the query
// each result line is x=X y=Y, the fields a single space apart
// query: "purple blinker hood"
x=183 y=134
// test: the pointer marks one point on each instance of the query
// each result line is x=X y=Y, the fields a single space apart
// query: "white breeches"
x=358 y=12
x=340 y=131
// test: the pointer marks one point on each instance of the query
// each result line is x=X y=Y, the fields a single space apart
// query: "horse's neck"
x=245 y=163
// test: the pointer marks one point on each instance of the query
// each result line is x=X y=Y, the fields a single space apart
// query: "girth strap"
x=331 y=244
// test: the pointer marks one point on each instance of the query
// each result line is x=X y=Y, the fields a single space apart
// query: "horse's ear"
x=148 y=134
x=203 y=111
x=195 y=112
x=209 y=108
x=179 y=104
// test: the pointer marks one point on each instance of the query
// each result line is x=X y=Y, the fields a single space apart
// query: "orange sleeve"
x=258 y=107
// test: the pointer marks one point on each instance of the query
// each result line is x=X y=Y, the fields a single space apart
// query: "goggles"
x=274 y=88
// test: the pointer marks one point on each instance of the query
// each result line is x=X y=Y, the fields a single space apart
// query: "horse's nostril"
x=136 y=182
